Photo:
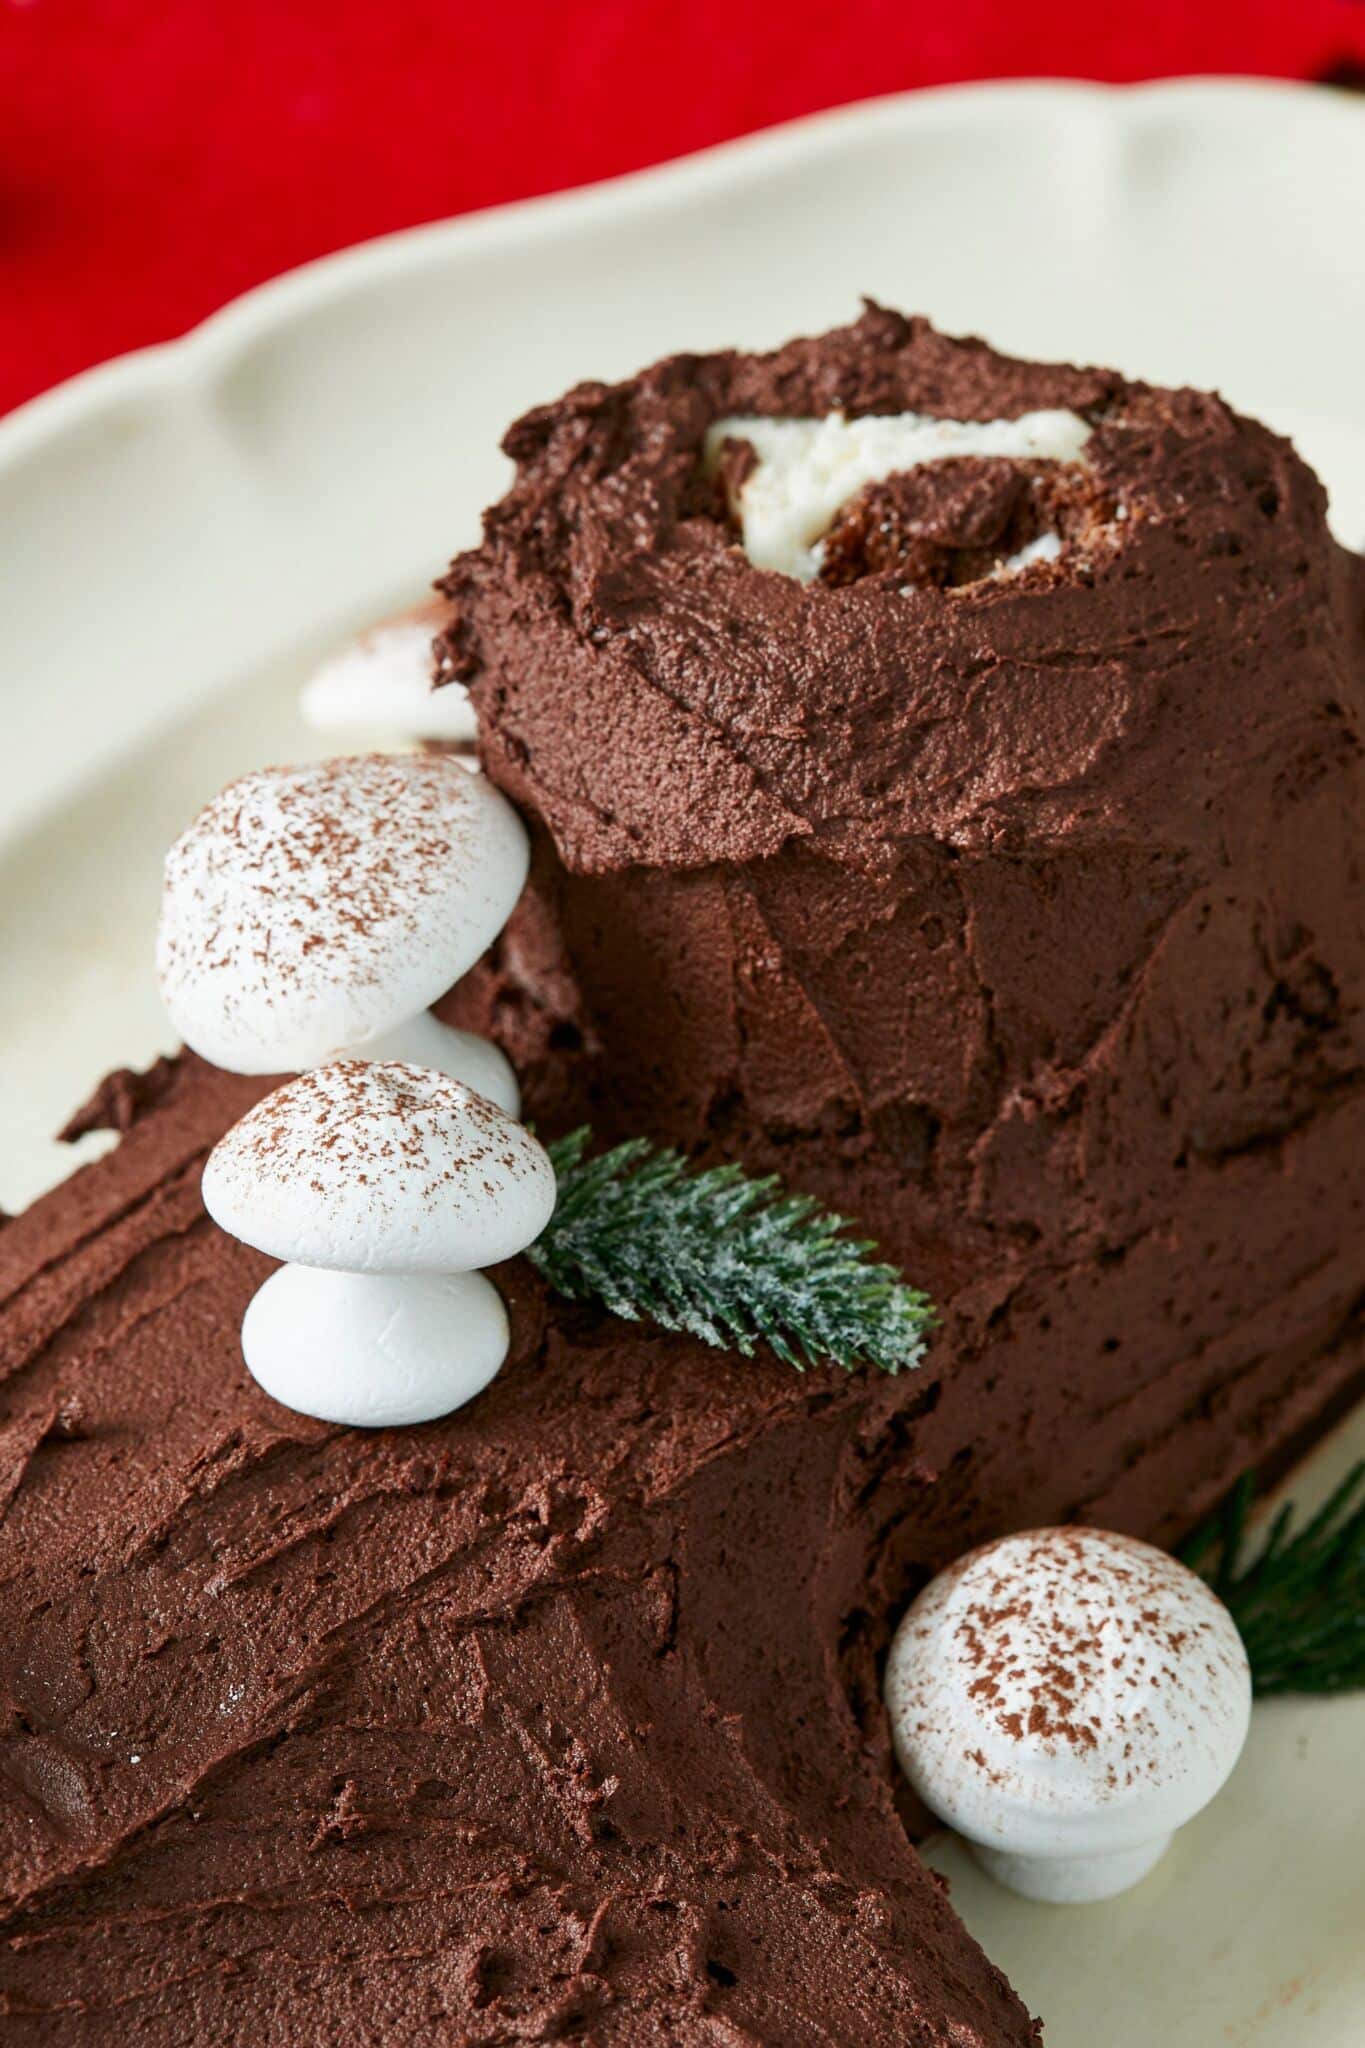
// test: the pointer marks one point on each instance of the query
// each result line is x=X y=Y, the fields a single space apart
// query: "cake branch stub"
x=316 y=911
x=958 y=717
x=384 y=1188
x=1066 y=1699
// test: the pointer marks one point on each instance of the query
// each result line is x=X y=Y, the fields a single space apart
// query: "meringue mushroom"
x=384 y=1186
x=382 y=681
x=314 y=912
x=1066 y=1699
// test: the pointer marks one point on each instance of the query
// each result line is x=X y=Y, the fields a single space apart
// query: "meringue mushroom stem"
x=1071 y=1880
x=423 y=1041
x=374 y=1350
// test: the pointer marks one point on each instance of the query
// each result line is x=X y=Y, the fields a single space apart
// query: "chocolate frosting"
x=1019 y=914
x=1020 y=918
x=553 y=1721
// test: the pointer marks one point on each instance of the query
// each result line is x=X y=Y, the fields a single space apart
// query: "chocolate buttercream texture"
x=1021 y=918
x=513 y=1728
x=1019 y=914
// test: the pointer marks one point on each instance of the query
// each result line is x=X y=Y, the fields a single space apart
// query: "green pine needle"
x=725 y=1256
x=1300 y=1602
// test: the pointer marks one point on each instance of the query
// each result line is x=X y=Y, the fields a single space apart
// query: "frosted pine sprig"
x=726 y=1256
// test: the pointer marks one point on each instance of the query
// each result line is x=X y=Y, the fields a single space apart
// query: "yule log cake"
x=960 y=812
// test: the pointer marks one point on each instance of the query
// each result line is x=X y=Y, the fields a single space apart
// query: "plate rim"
x=211 y=347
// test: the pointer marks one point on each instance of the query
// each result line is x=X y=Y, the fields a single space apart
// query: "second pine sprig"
x=1299 y=1602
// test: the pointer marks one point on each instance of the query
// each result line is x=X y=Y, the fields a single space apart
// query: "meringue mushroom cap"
x=377 y=1167
x=374 y=1350
x=309 y=910
x=383 y=680
x=1067 y=1692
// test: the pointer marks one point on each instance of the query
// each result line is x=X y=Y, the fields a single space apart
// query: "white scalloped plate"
x=182 y=531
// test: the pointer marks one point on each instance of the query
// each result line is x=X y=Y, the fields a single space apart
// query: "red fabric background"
x=159 y=156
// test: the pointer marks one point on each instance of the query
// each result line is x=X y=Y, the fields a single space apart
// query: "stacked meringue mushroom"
x=385 y=1188
x=309 y=917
